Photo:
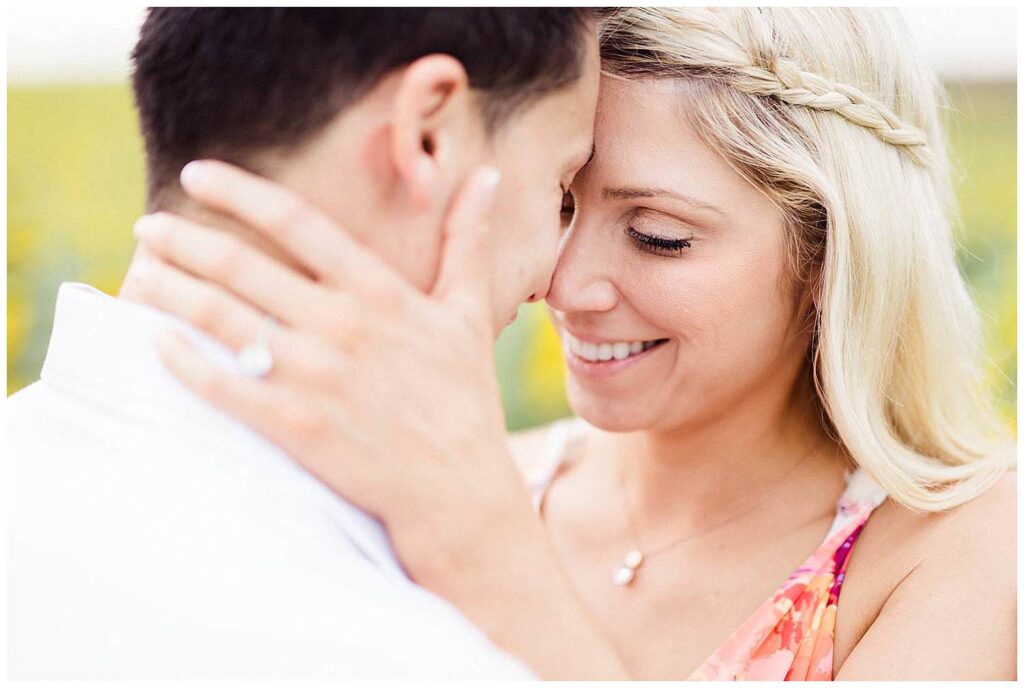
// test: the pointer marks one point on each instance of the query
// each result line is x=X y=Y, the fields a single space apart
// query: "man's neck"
x=212 y=220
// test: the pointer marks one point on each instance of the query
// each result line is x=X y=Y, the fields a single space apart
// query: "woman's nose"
x=582 y=280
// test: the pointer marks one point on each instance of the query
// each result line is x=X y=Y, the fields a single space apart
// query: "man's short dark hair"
x=230 y=82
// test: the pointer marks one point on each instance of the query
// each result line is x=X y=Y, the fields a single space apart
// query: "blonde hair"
x=832 y=115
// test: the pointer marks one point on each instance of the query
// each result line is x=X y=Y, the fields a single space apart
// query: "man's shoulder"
x=26 y=399
x=150 y=544
x=34 y=415
x=97 y=460
x=135 y=531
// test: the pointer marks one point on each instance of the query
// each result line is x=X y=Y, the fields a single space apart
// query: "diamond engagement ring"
x=255 y=360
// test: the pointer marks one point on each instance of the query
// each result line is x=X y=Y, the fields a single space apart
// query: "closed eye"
x=658 y=245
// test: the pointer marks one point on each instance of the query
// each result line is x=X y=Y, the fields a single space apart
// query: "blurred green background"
x=75 y=186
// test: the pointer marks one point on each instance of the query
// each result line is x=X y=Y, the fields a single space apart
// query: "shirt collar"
x=101 y=350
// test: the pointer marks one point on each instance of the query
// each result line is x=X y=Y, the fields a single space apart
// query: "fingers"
x=310 y=237
x=268 y=408
x=238 y=395
x=297 y=357
x=207 y=307
x=299 y=422
x=465 y=256
x=229 y=262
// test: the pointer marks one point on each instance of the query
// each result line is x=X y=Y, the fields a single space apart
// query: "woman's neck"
x=692 y=478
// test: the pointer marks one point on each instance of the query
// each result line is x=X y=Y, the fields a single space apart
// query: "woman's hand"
x=386 y=394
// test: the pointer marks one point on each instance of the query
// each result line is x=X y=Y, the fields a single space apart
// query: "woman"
x=766 y=335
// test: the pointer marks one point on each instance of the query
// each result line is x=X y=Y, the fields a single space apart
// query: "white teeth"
x=606 y=351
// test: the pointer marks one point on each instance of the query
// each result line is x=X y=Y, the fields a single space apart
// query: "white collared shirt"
x=152 y=536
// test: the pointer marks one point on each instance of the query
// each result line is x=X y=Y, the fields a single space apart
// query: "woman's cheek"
x=683 y=300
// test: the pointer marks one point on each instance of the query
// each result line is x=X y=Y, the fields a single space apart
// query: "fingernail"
x=193 y=172
x=144 y=264
x=146 y=227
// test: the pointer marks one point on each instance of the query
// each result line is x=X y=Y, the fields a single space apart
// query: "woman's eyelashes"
x=661 y=246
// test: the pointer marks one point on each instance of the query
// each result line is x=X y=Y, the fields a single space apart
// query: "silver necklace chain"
x=625 y=573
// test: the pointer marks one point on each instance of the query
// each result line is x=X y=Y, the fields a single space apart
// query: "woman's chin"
x=610 y=415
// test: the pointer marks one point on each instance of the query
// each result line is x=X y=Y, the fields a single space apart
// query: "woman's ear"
x=432 y=111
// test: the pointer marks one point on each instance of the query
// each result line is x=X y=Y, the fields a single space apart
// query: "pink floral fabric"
x=789 y=637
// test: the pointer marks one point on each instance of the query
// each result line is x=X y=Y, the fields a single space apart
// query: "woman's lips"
x=603 y=369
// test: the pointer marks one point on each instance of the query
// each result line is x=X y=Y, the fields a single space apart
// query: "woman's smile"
x=599 y=357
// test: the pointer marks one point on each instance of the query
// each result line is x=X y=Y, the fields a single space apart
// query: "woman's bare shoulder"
x=982 y=532
x=986 y=520
x=910 y=568
x=995 y=506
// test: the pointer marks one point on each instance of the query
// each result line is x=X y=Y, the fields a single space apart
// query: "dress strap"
x=861 y=497
x=554 y=451
x=862 y=488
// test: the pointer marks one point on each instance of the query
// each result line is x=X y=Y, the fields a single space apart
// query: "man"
x=152 y=536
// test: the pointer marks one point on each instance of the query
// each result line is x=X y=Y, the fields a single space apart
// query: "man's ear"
x=432 y=109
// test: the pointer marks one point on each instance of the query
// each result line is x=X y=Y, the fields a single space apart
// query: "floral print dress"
x=789 y=637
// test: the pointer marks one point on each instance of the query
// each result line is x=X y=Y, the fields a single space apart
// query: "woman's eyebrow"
x=627 y=193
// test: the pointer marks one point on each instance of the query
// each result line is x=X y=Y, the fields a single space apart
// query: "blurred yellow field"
x=75 y=186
